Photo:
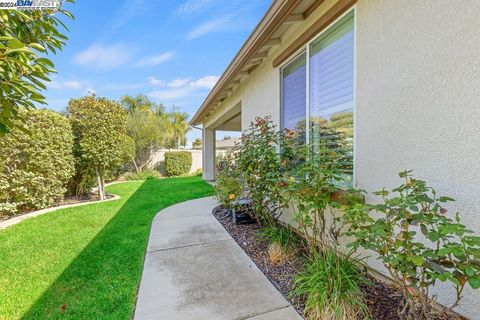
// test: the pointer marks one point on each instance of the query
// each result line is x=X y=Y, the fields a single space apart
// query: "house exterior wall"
x=417 y=101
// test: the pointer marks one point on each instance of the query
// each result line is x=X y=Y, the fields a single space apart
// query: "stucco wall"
x=159 y=157
x=417 y=101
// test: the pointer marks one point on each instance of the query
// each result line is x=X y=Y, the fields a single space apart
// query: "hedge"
x=36 y=163
x=178 y=163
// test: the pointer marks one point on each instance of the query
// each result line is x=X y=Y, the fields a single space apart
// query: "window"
x=330 y=104
x=294 y=95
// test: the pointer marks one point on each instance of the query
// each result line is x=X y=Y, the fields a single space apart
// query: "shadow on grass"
x=102 y=281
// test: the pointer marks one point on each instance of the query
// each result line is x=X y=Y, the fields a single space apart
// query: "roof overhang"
x=279 y=17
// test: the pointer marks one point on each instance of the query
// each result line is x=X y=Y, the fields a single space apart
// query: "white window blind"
x=294 y=94
x=331 y=65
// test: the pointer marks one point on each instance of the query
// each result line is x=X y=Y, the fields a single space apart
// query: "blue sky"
x=173 y=51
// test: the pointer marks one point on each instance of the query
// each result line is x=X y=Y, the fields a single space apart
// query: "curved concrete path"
x=194 y=270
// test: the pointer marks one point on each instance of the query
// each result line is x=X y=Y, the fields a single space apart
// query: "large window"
x=330 y=101
x=294 y=95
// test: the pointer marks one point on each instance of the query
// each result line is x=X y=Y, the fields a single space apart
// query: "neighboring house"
x=226 y=144
x=405 y=74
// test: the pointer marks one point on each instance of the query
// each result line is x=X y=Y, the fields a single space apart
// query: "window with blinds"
x=295 y=95
x=331 y=59
x=330 y=62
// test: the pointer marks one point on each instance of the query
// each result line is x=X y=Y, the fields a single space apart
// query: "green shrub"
x=330 y=285
x=144 y=174
x=178 y=163
x=101 y=142
x=284 y=236
x=227 y=189
x=262 y=170
x=417 y=242
x=36 y=165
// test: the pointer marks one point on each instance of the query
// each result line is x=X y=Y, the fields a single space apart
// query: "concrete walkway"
x=195 y=270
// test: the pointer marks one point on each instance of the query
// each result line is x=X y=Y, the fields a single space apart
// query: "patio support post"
x=209 y=154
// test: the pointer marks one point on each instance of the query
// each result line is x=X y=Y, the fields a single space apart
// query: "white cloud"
x=155 y=82
x=172 y=94
x=65 y=84
x=104 y=57
x=156 y=60
x=180 y=88
x=191 y=7
x=123 y=86
x=205 y=82
x=177 y=83
x=215 y=25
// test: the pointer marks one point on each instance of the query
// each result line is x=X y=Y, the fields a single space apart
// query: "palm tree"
x=178 y=128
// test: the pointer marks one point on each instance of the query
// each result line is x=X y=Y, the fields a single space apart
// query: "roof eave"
x=275 y=16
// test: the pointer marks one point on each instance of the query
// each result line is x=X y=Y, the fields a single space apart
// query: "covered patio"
x=231 y=120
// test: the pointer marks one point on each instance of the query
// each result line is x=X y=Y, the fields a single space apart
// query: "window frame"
x=306 y=50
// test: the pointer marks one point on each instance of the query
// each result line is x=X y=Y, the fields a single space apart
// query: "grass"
x=85 y=262
x=284 y=236
x=330 y=285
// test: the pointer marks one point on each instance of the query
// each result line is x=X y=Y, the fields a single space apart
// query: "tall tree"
x=178 y=128
x=100 y=131
x=141 y=103
x=197 y=143
x=147 y=125
x=25 y=38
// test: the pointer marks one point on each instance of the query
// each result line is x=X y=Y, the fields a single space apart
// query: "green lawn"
x=85 y=262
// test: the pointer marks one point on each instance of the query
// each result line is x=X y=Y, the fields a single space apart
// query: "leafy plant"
x=147 y=125
x=35 y=166
x=229 y=186
x=261 y=166
x=314 y=182
x=144 y=174
x=330 y=285
x=281 y=235
x=99 y=127
x=417 y=242
x=25 y=39
x=178 y=163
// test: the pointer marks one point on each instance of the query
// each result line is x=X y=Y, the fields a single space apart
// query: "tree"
x=178 y=129
x=147 y=125
x=25 y=38
x=197 y=143
x=100 y=129
x=141 y=103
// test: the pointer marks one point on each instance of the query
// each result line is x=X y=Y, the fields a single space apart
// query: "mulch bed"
x=383 y=300
x=65 y=201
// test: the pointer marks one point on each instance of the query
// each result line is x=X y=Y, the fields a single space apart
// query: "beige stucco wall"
x=417 y=101
x=159 y=157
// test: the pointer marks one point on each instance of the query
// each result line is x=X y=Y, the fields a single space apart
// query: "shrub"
x=229 y=186
x=261 y=167
x=417 y=243
x=330 y=286
x=145 y=174
x=178 y=163
x=283 y=243
x=284 y=236
x=227 y=189
x=35 y=165
x=100 y=130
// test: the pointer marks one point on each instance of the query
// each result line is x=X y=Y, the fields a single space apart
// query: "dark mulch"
x=382 y=299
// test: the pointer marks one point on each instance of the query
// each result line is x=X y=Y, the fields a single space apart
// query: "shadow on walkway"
x=102 y=281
